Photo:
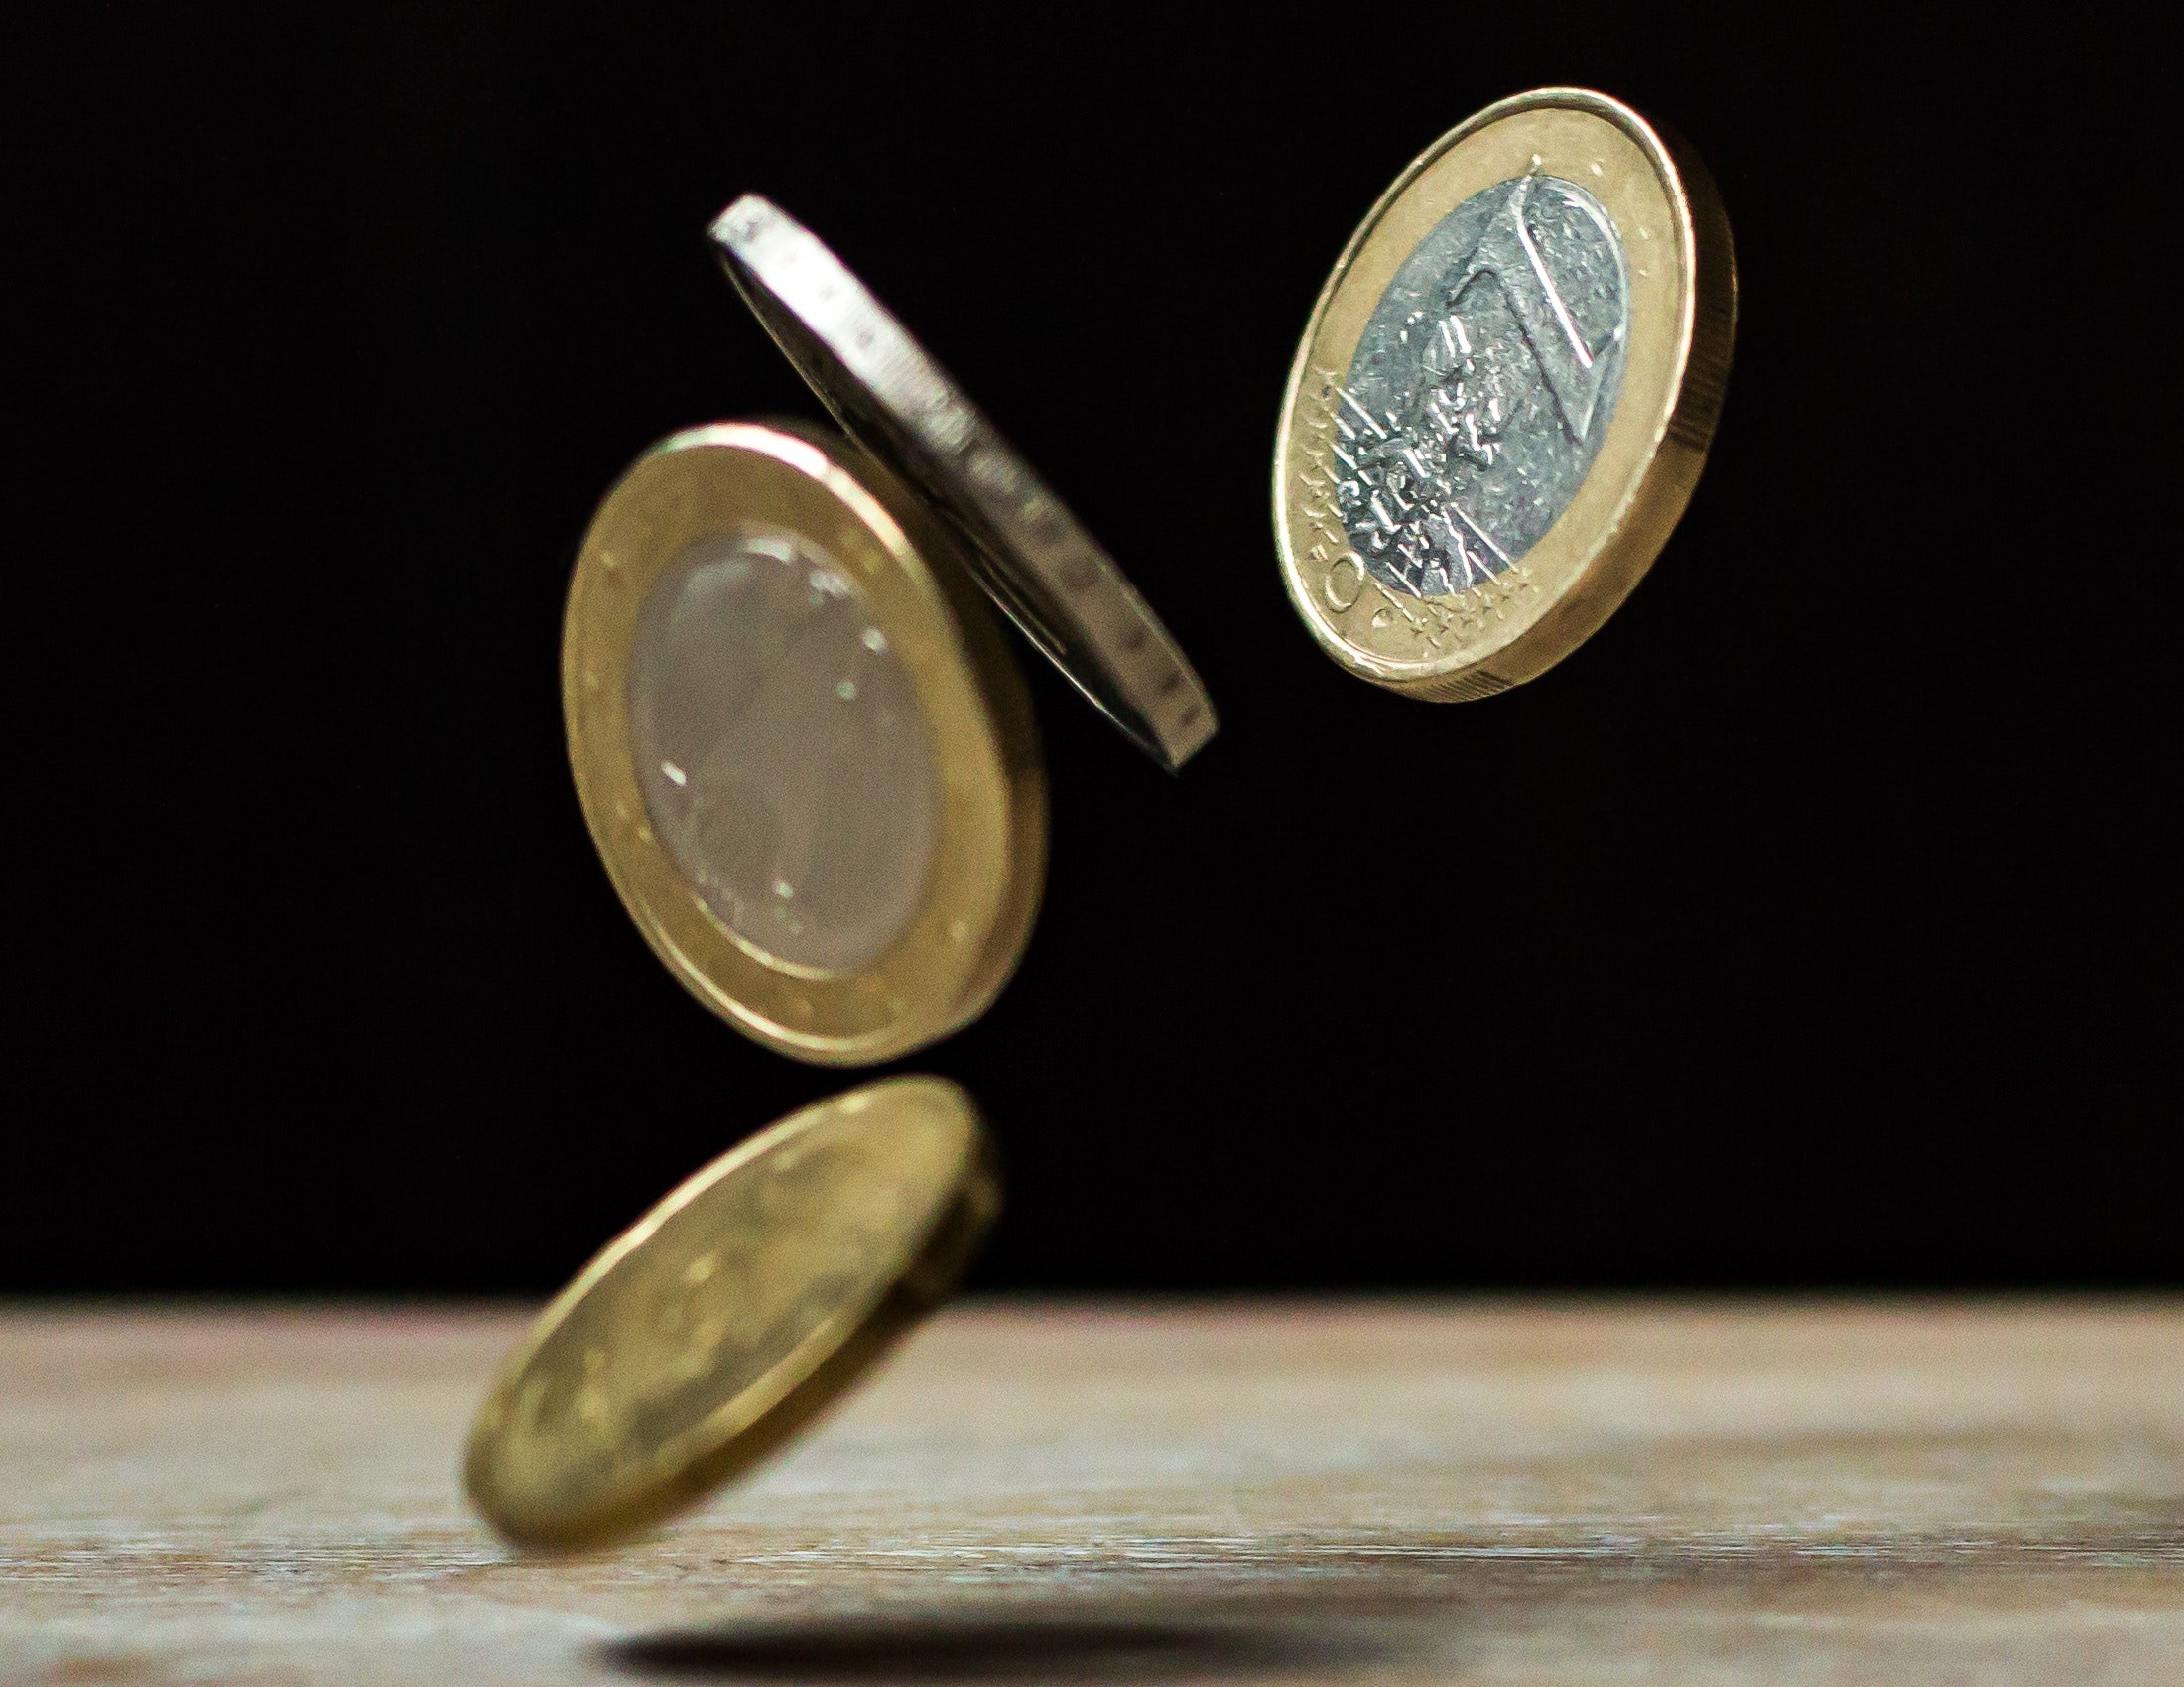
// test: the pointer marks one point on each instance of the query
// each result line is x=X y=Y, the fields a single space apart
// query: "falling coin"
x=1031 y=555
x=1504 y=396
x=800 y=744
x=733 y=1313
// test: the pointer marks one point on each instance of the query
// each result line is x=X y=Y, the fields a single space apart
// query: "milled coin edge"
x=1169 y=714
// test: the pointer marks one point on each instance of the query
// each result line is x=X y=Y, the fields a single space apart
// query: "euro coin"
x=1504 y=396
x=1037 y=562
x=732 y=1314
x=802 y=747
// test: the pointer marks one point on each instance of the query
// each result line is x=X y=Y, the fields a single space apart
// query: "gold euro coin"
x=1504 y=396
x=803 y=749
x=732 y=1314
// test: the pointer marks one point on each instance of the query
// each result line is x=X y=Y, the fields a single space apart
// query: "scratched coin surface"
x=732 y=1313
x=1031 y=555
x=1504 y=396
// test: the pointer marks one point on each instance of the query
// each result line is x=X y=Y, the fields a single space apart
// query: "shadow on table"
x=1161 y=1644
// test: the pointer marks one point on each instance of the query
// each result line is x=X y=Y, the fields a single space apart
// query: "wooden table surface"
x=1376 y=1491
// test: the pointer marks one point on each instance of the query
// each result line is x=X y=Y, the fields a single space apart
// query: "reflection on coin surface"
x=1504 y=396
x=732 y=1313
x=1031 y=555
x=803 y=751
x=1472 y=408
x=779 y=749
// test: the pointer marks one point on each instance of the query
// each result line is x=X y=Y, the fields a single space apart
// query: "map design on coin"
x=1482 y=387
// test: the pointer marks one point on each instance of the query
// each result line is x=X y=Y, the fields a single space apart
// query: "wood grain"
x=1393 y=1491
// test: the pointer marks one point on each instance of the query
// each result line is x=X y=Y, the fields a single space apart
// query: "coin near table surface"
x=800 y=744
x=732 y=1313
x=1504 y=396
x=1052 y=577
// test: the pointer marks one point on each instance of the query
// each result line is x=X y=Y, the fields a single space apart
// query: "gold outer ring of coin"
x=722 y=1323
x=1683 y=325
x=989 y=854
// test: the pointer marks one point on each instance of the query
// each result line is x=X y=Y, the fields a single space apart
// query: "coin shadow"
x=1002 y=1646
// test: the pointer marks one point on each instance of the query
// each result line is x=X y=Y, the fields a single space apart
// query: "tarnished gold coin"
x=803 y=749
x=1504 y=396
x=732 y=1313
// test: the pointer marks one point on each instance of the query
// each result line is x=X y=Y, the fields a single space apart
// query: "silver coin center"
x=780 y=751
x=1482 y=386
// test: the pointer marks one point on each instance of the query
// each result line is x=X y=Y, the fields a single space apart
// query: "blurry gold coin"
x=803 y=751
x=732 y=1313
x=1504 y=396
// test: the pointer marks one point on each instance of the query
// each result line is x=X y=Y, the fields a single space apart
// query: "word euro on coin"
x=730 y=1314
x=1504 y=396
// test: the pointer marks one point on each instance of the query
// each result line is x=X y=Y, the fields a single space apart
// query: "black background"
x=1803 y=928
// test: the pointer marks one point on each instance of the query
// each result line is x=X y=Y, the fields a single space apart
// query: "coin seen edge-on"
x=1033 y=556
